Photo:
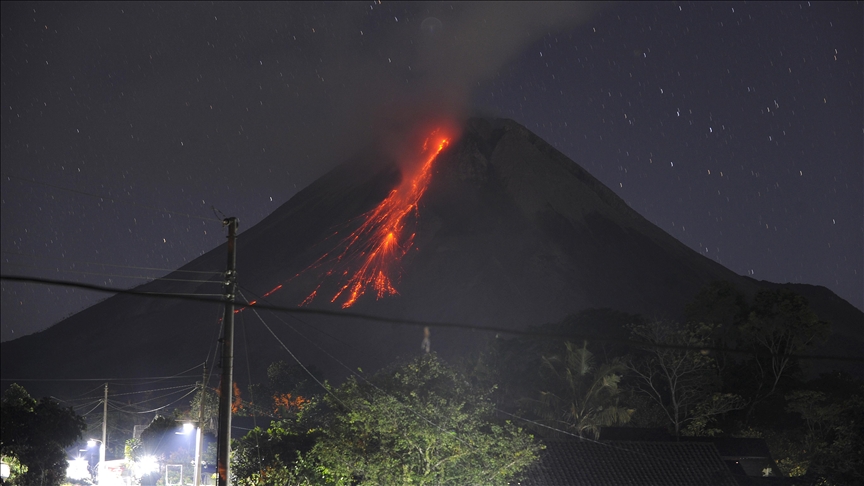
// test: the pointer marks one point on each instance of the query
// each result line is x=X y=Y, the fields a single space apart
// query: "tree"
x=721 y=304
x=515 y=366
x=421 y=423
x=676 y=375
x=271 y=456
x=581 y=397
x=706 y=410
x=36 y=435
x=156 y=437
x=780 y=324
x=211 y=408
x=831 y=450
x=164 y=439
x=288 y=387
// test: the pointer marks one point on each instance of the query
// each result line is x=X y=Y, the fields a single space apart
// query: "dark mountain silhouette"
x=510 y=233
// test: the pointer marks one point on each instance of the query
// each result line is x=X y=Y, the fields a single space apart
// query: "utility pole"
x=104 y=444
x=199 y=432
x=226 y=386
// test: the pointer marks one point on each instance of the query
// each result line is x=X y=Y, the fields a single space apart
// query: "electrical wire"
x=90 y=390
x=157 y=380
x=91 y=410
x=421 y=323
x=251 y=398
x=178 y=387
x=160 y=378
x=348 y=368
x=168 y=405
x=92 y=403
x=214 y=348
x=115 y=275
x=84 y=405
x=122 y=408
x=334 y=358
x=89 y=401
x=330 y=392
x=325 y=388
x=265 y=299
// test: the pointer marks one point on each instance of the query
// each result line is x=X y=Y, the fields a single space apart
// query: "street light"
x=187 y=428
x=101 y=465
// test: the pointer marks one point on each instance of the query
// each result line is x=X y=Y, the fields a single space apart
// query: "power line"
x=348 y=368
x=331 y=393
x=80 y=405
x=98 y=400
x=264 y=299
x=178 y=387
x=159 y=378
x=126 y=406
x=168 y=405
x=97 y=387
x=139 y=277
x=325 y=388
x=254 y=407
x=91 y=410
x=421 y=323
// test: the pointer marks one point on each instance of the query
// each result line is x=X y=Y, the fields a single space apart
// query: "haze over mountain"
x=509 y=233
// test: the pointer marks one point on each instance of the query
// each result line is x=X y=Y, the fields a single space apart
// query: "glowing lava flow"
x=378 y=245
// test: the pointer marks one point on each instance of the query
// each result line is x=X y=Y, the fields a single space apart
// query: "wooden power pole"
x=226 y=385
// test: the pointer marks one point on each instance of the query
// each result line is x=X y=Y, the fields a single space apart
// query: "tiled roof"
x=577 y=463
x=735 y=446
x=751 y=455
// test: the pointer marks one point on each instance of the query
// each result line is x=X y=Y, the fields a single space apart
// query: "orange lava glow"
x=368 y=259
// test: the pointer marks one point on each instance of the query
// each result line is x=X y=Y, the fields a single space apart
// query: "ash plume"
x=422 y=71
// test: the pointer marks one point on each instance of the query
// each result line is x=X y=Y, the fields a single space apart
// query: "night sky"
x=735 y=127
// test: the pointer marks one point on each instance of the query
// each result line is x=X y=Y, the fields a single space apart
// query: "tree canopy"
x=419 y=423
x=36 y=434
x=682 y=382
x=780 y=324
x=423 y=422
x=580 y=396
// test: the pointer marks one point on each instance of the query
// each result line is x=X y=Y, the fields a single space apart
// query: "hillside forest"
x=732 y=367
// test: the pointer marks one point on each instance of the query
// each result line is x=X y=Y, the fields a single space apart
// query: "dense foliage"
x=35 y=434
x=419 y=423
x=683 y=381
x=731 y=368
x=579 y=396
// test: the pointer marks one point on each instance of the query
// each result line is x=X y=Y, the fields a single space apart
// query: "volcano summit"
x=507 y=233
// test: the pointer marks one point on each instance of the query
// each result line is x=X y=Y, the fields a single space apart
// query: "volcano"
x=507 y=232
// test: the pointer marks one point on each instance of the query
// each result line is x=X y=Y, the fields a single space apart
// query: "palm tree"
x=581 y=398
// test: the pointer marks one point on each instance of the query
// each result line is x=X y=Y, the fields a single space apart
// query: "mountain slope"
x=510 y=233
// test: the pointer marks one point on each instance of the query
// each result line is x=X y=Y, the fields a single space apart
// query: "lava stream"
x=378 y=245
